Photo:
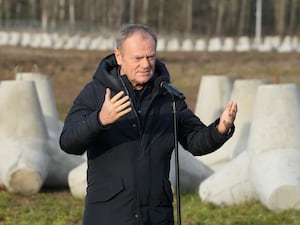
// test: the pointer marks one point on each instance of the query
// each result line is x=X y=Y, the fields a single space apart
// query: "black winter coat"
x=129 y=161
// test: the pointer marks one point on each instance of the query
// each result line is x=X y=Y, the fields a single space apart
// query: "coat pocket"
x=105 y=191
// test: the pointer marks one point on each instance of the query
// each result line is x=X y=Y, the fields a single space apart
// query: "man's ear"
x=118 y=56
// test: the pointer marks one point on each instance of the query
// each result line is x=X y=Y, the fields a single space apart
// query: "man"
x=125 y=123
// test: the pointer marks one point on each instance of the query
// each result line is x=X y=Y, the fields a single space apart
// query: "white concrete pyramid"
x=244 y=93
x=230 y=185
x=274 y=146
x=269 y=169
x=192 y=171
x=24 y=147
x=61 y=162
x=213 y=94
x=77 y=181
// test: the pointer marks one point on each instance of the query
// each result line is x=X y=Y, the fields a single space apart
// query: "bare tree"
x=220 y=15
x=213 y=17
x=280 y=13
x=71 y=13
x=231 y=21
x=62 y=13
x=131 y=11
x=32 y=10
x=294 y=10
x=189 y=16
x=54 y=13
x=45 y=14
x=243 y=16
x=160 y=22
x=145 y=11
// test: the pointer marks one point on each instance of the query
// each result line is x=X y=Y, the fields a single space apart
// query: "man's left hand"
x=227 y=118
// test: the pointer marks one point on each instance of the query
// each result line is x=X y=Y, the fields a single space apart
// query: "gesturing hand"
x=113 y=108
x=227 y=118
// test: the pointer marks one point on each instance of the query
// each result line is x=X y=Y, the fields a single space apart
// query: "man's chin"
x=141 y=84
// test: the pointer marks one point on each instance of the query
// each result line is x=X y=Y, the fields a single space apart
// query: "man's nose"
x=145 y=62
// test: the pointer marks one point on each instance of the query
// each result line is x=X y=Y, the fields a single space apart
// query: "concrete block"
x=161 y=44
x=84 y=43
x=286 y=45
x=77 y=181
x=4 y=37
x=275 y=176
x=210 y=104
x=228 y=44
x=61 y=162
x=72 y=42
x=275 y=118
x=274 y=144
x=243 y=44
x=46 y=96
x=25 y=39
x=24 y=147
x=244 y=93
x=36 y=40
x=200 y=45
x=173 y=45
x=14 y=38
x=187 y=45
x=230 y=185
x=192 y=171
x=59 y=41
x=95 y=43
x=214 y=44
x=46 y=40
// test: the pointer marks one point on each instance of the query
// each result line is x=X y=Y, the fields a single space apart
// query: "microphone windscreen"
x=159 y=80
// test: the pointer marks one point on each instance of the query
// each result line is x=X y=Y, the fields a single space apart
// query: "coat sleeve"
x=195 y=136
x=82 y=125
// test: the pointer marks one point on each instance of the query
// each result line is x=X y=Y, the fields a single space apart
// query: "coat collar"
x=108 y=72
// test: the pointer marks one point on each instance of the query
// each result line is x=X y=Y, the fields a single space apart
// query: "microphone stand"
x=176 y=165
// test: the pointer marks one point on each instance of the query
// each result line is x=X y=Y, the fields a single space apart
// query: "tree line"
x=181 y=17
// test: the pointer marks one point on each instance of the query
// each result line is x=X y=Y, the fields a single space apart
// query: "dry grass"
x=69 y=70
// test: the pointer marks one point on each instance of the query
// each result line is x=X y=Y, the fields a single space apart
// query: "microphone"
x=163 y=83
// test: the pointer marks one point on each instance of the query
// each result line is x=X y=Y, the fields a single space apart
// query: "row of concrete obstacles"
x=107 y=42
x=260 y=162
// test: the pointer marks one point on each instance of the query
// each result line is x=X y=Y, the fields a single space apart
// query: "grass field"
x=58 y=207
x=70 y=70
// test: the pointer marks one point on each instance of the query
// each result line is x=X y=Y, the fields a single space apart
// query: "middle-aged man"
x=125 y=123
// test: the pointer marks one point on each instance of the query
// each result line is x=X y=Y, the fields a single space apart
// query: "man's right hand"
x=114 y=108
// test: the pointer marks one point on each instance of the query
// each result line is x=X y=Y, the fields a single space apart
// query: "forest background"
x=182 y=18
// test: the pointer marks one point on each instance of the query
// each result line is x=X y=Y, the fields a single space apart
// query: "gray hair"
x=128 y=29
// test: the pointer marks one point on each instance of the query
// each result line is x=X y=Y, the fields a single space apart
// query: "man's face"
x=137 y=58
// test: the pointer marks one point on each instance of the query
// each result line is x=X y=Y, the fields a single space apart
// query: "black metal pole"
x=178 y=206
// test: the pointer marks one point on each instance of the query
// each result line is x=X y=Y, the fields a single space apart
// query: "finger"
x=107 y=94
x=234 y=109
x=123 y=106
x=121 y=101
x=124 y=112
x=228 y=109
x=229 y=106
x=117 y=96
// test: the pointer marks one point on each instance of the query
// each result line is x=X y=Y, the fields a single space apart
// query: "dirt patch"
x=69 y=70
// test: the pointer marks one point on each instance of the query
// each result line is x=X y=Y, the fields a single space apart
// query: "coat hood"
x=108 y=72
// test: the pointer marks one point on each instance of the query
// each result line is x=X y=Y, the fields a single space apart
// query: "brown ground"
x=69 y=70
